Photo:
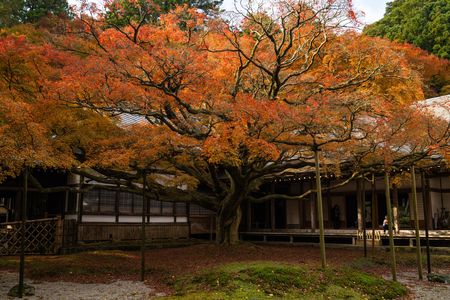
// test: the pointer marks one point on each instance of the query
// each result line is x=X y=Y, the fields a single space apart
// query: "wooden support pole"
x=416 y=221
x=427 y=222
x=249 y=216
x=395 y=208
x=272 y=208
x=144 y=212
x=188 y=214
x=116 y=204
x=80 y=201
x=320 y=211
x=359 y=205
x=390 y=225
x=312 y=201
x=363 y=198
x=23 y=218
x=374 y=216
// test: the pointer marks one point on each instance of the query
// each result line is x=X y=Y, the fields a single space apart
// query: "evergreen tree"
x=424 y=23
x=34 y=10
x=10 y=12
x=14 y=12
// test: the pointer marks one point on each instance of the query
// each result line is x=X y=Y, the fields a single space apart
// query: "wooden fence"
x=51 y=236
x=89 y=232
x=41 y=237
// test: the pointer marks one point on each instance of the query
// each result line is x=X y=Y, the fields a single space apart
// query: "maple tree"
x=435 y=71
x=36 y=130
x=226 y=106
x=221 y=107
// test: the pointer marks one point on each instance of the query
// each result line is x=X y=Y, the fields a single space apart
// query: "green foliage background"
x=423 y=23
x=14 y=12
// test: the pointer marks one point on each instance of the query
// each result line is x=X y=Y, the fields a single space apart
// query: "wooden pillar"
x=174 y=212
x=23 y=213
x=426 y=200
x=359 y=204
x=188 y=215
x=272 y=215
x=144 y=211
x=312 y=203
x=363 y=198
x=116 y=205
x=329 y=206
x=375 y=205
x=320 y=210
x=395 y=207
x=80 y=201
x=66 y=205
x=249 y=216
x=17 y=206
x=374 y=213
x=272 y=208
x=416 y=222
x=390 y=220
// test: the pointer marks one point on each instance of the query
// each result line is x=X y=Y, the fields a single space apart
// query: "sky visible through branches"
x=373 y=9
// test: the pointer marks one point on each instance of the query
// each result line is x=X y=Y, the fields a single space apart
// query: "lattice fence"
x=41 y=237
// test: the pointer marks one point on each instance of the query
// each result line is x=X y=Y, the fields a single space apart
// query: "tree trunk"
x=227 y=229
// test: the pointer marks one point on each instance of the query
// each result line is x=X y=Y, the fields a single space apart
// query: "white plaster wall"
x=182 y=219
x=127 y=219
x=161 y=219
x=130 y=219
x=96 y=218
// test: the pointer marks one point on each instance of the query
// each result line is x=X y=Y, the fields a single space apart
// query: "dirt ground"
x=116 y=273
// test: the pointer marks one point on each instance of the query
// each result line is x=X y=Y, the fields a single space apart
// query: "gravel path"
x=127 y=290
x=422 y=289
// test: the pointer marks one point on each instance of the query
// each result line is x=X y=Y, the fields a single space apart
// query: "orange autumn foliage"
x=222 y=107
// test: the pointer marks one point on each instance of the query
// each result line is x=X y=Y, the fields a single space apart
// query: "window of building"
x=126 y=202
x=197 y=210
x=137 y=204
x=107 y=201
x=167 y=208
x=180 y=208
x=90 y=201
x=155 y=207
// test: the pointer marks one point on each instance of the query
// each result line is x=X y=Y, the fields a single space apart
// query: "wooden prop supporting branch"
x=425 y=212
x=320 y=211
x=144 y=210
x=416 y=221
x=363 y=198
x=391 y=233
x=23 y=232
x=374 y=220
